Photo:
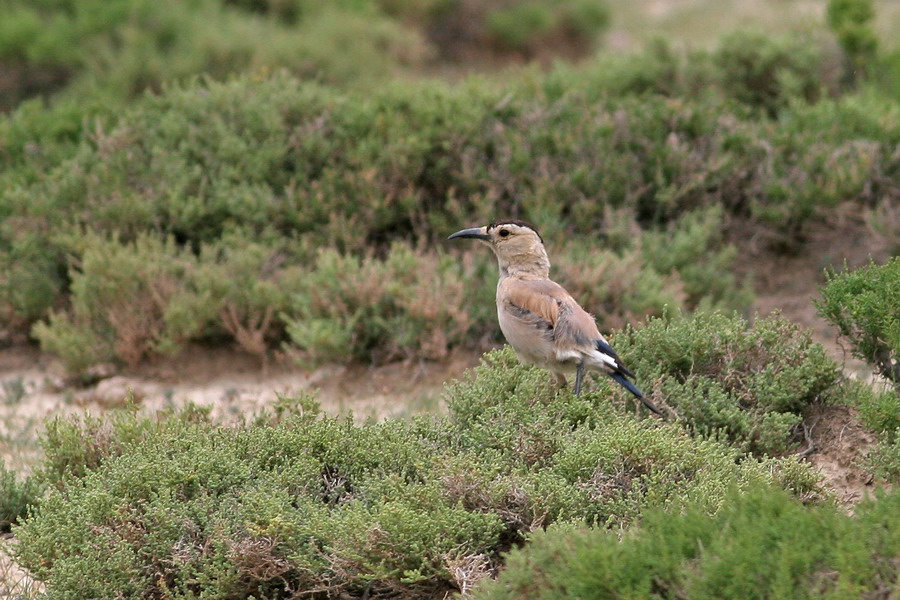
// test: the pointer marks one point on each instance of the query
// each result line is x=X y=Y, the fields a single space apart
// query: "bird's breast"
x=530 y=337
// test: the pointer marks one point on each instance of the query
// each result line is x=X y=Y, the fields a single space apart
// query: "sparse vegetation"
x=863 y=304
x=761 y=544
x=725 y=380
x=276 y=175
x=301 y=502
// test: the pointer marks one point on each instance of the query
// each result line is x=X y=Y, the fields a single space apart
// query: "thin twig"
x=807 y=435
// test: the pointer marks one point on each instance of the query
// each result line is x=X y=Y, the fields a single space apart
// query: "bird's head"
x=517 y=244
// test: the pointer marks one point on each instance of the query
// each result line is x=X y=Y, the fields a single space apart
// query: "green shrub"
x=884 y=459
x=880 y=413
x=128 y=302
x=304 y=168
x=768 y=72
x=73 y=447
x=304 y=504
x=247 y=283
x=851 y=23
x=694 y=248
x=862 y=304
x=123 y=48
x=408 y=305
x=17 y=494
x=526 y=26
x=760 y=544
x=519 y=24
x=748 y=384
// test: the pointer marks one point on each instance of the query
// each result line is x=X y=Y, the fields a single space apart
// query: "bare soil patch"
x=841 y=443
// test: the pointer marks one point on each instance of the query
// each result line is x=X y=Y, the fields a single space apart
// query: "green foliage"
x=725 y=379
x=851 y=23
x=880 y=413
x=128 y=301
x=884 y=459
x=768 y=72
x=694 y=249
x=72 y=447
x=407 y=305
x=526 y=26
x=17 y=494
x=863 y=305
x=289 y=172
x=300 y=503
x=121 y=48
x=760 y=544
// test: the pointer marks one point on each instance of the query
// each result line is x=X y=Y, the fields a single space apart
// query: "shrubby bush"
x=769 y=72
x=880 y=412
x=862 y=304
x=127 y=302
x=410 y=304
x=130 y=301
x=298 y=169
x=121 y=48
x=299 y=503
x=17 y=494
x=851 y=22
x=530 y=26
x=725 y=379
x=760 y=544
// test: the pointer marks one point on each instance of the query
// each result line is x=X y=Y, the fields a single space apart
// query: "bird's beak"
x=478 y=233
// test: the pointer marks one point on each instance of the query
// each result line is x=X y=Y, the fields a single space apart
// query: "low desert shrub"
x=760 y=544
x=128 y=301
x=879 y=410
x=17 y=494
x=863 y=305
x=74 y=446
x=727 y=379
x=305 y=168
x=851 y=23
x=305 y=504
x=120 y=49
x=768 y=72
x=884 y=459
x=408 y=304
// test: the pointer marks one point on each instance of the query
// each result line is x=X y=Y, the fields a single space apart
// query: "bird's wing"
x=575 y=331
x=534 y=299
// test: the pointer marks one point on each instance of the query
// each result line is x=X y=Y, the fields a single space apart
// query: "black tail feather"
x=607 y=349
x=623 y=381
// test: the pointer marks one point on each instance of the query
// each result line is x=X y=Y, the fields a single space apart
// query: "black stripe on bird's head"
x=517 y=223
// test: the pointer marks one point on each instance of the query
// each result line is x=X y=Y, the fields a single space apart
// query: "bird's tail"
x=623 y=381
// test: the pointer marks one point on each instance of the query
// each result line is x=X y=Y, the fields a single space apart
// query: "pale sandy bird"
x=539 y=318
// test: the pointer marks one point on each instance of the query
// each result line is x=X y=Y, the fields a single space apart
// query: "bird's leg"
x=579 y=378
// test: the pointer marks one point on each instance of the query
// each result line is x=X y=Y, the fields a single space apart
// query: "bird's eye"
x=504 y=232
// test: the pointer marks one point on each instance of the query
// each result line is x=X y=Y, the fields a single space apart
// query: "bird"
x=543 y=323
